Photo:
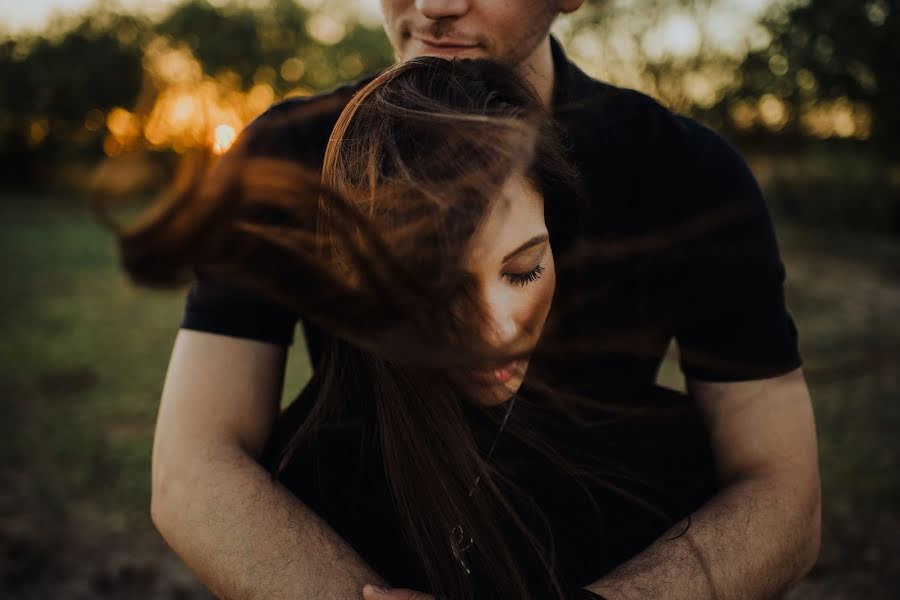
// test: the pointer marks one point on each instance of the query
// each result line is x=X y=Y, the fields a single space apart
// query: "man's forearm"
x=247 y=537
x=750 y=542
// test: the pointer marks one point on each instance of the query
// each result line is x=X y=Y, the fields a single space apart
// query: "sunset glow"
x=189 y=109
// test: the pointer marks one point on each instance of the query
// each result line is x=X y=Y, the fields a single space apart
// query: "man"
x=656 y=181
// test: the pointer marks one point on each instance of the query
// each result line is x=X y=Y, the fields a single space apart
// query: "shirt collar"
x=565 y=76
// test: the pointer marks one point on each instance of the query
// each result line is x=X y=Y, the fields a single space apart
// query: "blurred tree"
x=830 y=74
x=55 y=89
x=59 y=89
x=840 y=57
x=228 y=38
x=685 y=53
x=278 y=42
x=798 y=68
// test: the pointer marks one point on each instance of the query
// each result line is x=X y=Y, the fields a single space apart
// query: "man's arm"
x=243 y=535
x=760 y=534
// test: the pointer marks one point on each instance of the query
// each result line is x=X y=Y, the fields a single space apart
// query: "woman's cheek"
x=542 y=299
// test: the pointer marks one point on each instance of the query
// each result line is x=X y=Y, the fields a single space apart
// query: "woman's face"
x=511 y=259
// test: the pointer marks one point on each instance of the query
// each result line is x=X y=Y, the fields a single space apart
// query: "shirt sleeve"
x=732 y=322
x=224 y=310
x=296 y=129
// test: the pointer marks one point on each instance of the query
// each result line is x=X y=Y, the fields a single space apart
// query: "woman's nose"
x=440 y=9
x=502 y=329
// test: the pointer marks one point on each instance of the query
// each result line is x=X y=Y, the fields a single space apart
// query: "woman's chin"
x=492 y=387
x=495 y=399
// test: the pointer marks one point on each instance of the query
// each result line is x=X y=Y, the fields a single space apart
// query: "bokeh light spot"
x=773 y=112
x=292 y=69
x=223 y=138
x=326 y=28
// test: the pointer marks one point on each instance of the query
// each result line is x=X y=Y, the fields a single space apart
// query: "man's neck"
x=539 y=71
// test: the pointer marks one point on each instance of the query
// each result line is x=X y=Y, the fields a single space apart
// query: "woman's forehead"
x=514 y=218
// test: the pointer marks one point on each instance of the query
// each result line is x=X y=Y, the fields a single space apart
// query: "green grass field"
x=83 y=360
x=84 y=354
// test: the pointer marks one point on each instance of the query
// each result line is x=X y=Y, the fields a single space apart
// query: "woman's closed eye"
x=524 y=279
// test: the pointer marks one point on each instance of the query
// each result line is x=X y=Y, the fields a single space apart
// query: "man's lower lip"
x=449 y=49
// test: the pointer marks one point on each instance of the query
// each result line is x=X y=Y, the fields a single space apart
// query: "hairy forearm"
x=750 y=542
x=246 y=537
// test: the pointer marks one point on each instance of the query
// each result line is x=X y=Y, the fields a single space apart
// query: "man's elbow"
x=163 y=505
x=808 y=528
x=176 y=480
x=798 y=523
x=813 y=538
x=183 y=477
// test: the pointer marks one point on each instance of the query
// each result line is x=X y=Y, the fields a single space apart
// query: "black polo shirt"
x=675 y=242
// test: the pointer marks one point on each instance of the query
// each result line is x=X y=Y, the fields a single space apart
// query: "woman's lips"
x=496 y=376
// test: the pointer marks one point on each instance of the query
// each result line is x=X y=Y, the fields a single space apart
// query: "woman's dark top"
x=654 y=480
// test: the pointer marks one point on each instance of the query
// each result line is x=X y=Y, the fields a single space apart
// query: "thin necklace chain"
x=457 y=535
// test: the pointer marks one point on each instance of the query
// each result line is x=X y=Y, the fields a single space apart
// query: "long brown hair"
x=423 y=151
x=370 y=250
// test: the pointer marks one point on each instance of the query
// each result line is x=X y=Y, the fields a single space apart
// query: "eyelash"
x=526 y=278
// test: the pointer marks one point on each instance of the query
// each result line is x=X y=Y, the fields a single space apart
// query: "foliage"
x=685 y=53
x=825 y=53
x=53 y=90
x=807 y=70
x=59 y=90
x=832 y=185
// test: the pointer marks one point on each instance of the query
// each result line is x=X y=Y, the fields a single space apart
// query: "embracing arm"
x=760 y=534
x=244 y=535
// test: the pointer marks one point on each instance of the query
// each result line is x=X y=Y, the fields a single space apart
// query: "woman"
x=426 y=251
x=452 y=163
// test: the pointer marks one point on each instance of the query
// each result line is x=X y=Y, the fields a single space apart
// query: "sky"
x=19 y=15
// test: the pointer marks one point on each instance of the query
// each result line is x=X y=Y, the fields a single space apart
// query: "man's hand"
x=760 y=534
x=371 y=592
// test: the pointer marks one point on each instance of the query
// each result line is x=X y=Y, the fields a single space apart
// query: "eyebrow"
x=532 y=242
